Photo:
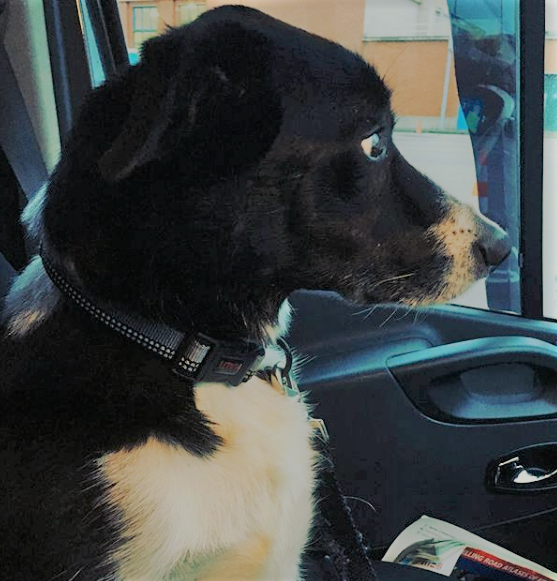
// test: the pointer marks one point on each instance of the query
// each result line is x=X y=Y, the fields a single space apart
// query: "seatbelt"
x=338 y=550
x=338 y=544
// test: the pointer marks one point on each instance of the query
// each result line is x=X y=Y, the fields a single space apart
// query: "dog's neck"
x=254 y=311
x=38 y=290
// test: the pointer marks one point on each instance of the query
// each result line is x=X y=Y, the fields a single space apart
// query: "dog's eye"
x=373 y=147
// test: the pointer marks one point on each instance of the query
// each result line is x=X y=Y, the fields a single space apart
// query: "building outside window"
x=145 y=24
x=188 y=12
x=406 y=19
x=143 y=19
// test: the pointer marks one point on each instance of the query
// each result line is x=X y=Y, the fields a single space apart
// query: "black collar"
x=195 y=356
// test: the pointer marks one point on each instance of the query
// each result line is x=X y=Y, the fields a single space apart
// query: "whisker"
x=391 y=279
x=57 y=576
x=370 y=312
x=404 y=314
x=389 y=318
x=422 y=311
x=362 y=312
x=366 y=502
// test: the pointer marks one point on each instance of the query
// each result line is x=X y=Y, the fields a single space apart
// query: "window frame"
x=531 y=51
x=70 y=68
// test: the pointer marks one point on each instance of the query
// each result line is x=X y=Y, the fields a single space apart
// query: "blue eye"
x=373 y=147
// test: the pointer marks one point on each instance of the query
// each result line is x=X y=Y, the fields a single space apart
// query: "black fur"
x=199 y=189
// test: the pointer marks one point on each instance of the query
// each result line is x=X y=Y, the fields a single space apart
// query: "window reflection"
x=486 y=64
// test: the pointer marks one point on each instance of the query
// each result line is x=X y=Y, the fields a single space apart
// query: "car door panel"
x=405 y=458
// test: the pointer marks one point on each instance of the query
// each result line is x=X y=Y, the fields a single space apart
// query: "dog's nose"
x=494 y=245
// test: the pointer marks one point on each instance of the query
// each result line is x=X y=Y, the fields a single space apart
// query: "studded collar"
x=195 y=356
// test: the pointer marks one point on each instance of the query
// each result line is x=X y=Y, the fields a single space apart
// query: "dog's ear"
x=202 y=93
x=150 y=106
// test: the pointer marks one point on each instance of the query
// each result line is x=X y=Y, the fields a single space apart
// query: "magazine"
x=451 y=551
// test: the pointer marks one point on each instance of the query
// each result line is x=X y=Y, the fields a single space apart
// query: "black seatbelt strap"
x=338 y=542
x=338 y=550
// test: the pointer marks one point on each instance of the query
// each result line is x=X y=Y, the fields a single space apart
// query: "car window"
x=453 y=69
x=96 y=69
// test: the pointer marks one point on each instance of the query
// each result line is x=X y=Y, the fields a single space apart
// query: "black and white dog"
x=240 y=160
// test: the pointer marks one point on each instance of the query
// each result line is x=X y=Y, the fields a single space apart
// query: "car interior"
x=425 y=406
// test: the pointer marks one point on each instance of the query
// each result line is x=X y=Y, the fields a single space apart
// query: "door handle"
x=438 y=379
x=532 y=469
x=513 y=472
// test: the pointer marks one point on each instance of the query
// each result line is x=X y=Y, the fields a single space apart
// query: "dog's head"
x=243 y=159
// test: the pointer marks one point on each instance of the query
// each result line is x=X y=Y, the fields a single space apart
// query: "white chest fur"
x=242 y=514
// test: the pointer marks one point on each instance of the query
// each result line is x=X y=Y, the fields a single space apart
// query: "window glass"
x=452 y=66
x=96 y=69
x=485 y=39
x=145 y=21
x=550 y=163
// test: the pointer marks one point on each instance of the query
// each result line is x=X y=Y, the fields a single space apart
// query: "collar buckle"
x=283 y=382
x=203 y=358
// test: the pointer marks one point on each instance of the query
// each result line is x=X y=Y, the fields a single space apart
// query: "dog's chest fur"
x=243 y=513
